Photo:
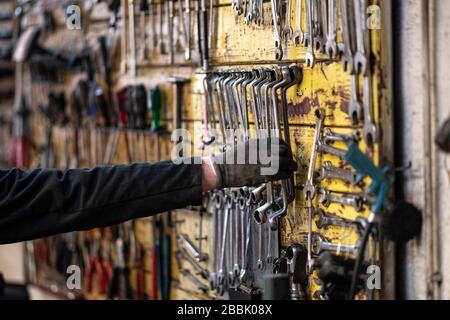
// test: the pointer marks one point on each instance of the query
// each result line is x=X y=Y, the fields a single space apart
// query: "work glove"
x=254 y=162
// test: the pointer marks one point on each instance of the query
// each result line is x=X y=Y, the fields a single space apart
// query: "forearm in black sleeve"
x=44 y=202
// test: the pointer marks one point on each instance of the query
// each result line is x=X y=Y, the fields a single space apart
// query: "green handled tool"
x=155 y=108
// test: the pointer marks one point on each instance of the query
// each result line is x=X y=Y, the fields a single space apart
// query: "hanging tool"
x=177 y=109
x=144 y=53
x=132 y=35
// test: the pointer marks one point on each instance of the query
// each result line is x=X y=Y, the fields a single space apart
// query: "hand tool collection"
x=166 y=28
x=246 y=247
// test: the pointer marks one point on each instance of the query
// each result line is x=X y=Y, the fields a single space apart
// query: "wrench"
x=277 y=32
x=370 y=130
x=162 y=44
x=331 y=45
x=132 y=35
x=191 y=248
x=198 y=268
x=328 y=171
x=287 y=31
x=309 y=190
x=321 y=20
x=347 y=35
x=326 y=220
x=326 y=198
x=309 y=35
x=221 y=273
x=249 y=16
x=298 y=32
x=153 y=24
x=217 y=199
x=260 y=262
x=360 y=55
x=124 y=38
x=355 y=107
x=321 y=244
x=236 y=251
x=296 y=260
x=186 y=273
x=330 y=137
x=291 y=76
x=170 y=21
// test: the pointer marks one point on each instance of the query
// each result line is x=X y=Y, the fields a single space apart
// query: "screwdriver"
x=155 y=107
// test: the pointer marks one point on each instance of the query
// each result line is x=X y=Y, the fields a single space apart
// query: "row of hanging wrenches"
x=231 y=97
x=375 y=195
x=319 y=31
x=166 y=26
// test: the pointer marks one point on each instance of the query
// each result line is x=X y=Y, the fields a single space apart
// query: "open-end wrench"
x=355 y=108
x=277 y=31
x=217 y=198
x=259 y=14
x=190 y=247
x=331 y=45
x=152 y=17
x=170 y=23
x=162 y=44
x=132 y=36
x=287 y=32
x=348 y=36
x=370 y=130
x=326 y=198
x=309 y=35
x=328 y=171
x=360 y=54
x=298 y=36
x=123 y=37
x=187 y=21
x=309 y=189
x=321 y=244
x=249 y=16
x=326 y=220
x=331 y=137
x=202 y=272
x=321 y=15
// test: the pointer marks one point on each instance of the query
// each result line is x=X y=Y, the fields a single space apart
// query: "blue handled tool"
x=381 y=182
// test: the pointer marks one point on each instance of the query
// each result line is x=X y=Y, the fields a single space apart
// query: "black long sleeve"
x=44 y=202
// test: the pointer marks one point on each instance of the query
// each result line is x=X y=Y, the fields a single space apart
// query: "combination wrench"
x=309 y=190
x=309 y=35
x=360 y=58
x=287 y=32
x=331 y=47
x=326 y=198
x=298 y=32
x=321 y=244
x=277 y=31
x=347 y=36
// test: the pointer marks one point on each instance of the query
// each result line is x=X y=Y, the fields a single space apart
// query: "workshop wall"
x=234 y=46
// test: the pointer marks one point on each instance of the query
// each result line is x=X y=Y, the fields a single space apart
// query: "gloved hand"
x=254 y=162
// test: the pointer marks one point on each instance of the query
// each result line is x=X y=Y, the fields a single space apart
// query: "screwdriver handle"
x=155 y=105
